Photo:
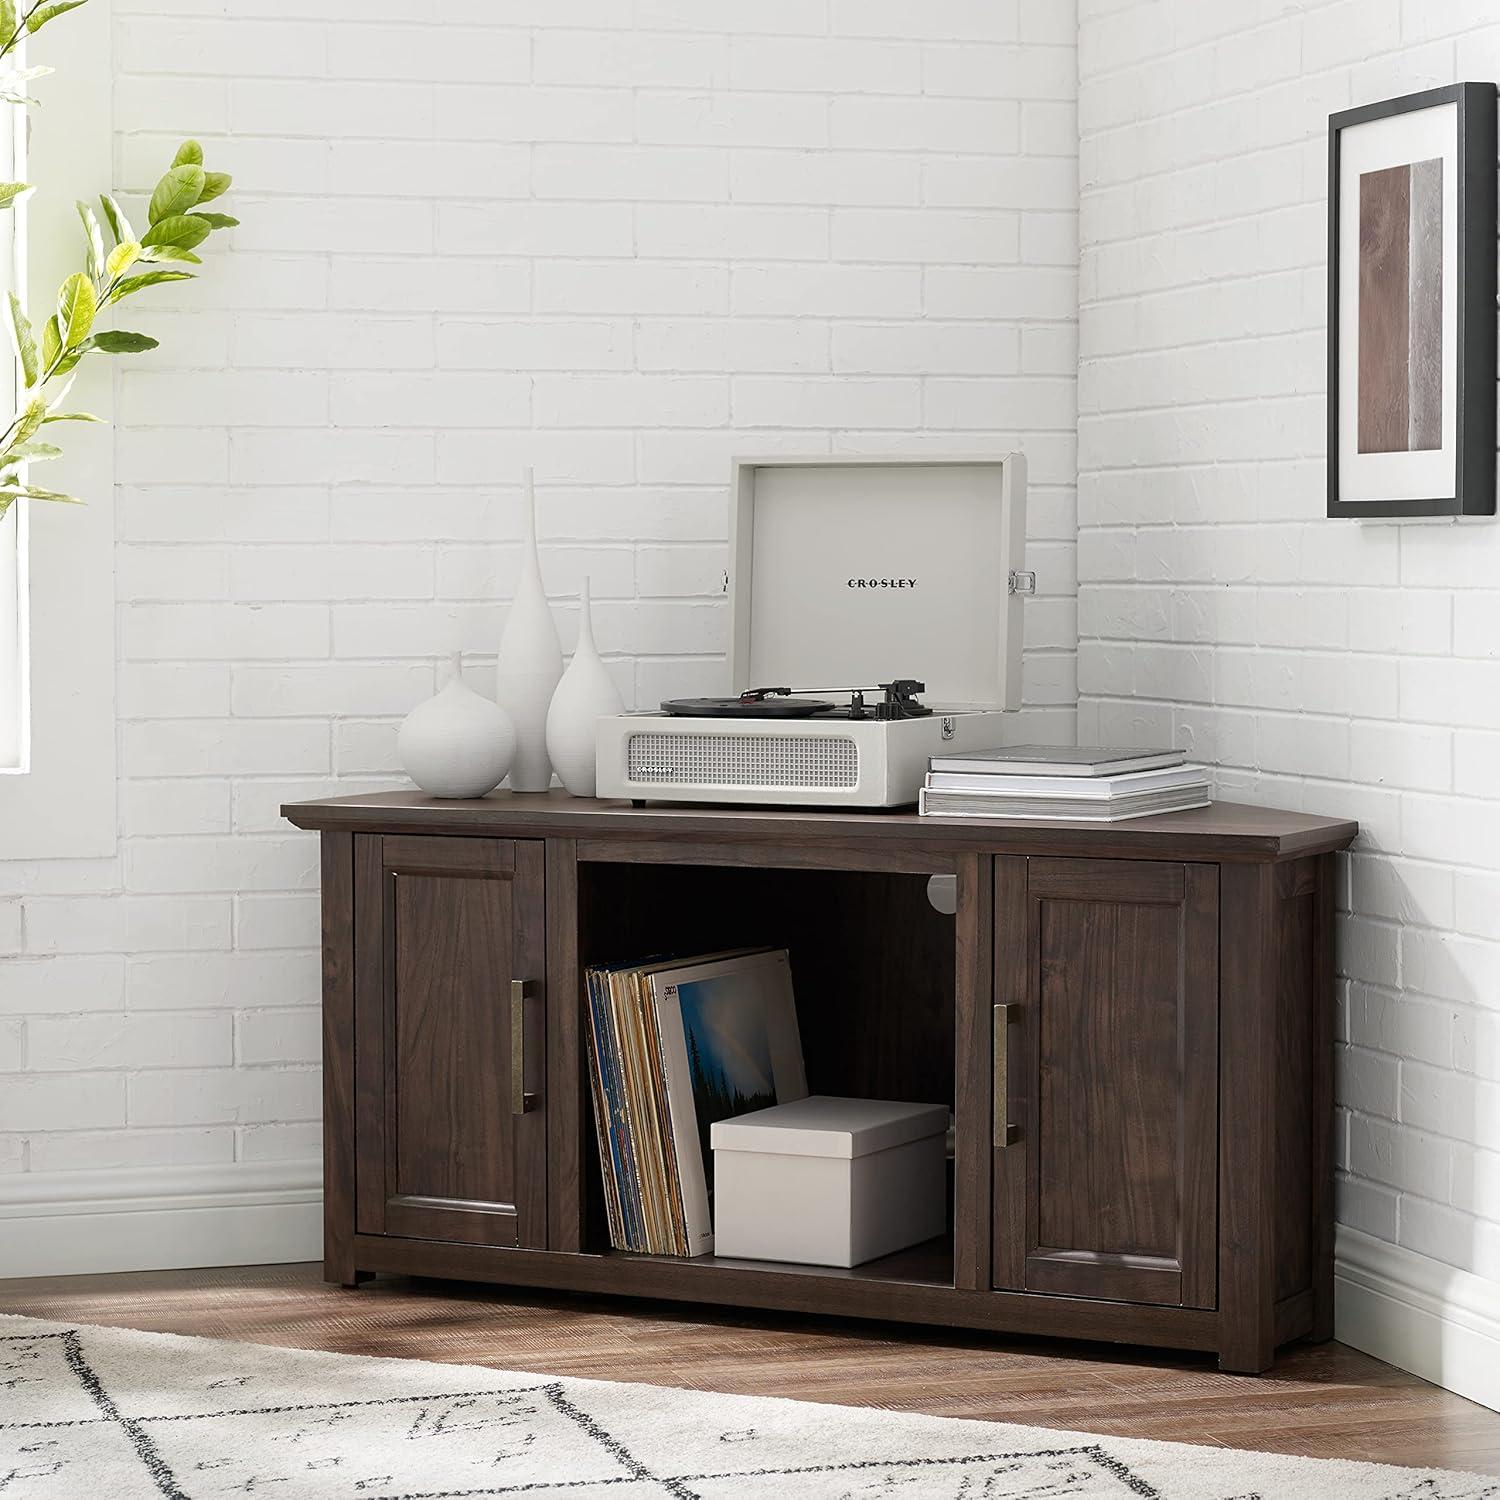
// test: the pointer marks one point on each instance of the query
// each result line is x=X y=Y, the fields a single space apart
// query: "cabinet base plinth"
x=819 y=1291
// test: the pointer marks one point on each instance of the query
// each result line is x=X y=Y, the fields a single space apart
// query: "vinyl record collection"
x=675 y=1045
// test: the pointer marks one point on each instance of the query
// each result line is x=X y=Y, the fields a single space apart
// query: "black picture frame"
x=1475 y=396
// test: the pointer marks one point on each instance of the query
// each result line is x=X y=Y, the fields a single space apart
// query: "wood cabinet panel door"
x=1106 y=1021
x=450 y=1129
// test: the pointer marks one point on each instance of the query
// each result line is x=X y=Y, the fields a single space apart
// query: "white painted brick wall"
x=1346 y=668
x=618 y=241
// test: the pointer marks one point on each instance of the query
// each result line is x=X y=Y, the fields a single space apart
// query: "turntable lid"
x=856 y=571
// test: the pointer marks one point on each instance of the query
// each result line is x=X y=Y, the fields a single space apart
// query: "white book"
x=1056 y=760
x=1090 y=788
x=936 y=804
x=729 y=1044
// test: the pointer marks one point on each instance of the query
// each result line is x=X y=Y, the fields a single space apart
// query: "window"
x=13 y=653
x=64 y=806
x=13 y=683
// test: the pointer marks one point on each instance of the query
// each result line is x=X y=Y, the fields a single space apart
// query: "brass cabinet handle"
x=520 y=1100
x=1006 y=1134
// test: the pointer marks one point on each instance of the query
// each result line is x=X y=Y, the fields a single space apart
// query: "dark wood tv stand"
x=1133 y=1025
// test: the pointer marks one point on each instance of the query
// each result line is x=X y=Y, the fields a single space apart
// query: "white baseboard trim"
x=1440 y=1323
x=1409 y=1310
x=160 y=1218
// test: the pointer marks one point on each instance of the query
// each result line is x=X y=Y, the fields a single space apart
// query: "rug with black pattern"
x=93 y=1412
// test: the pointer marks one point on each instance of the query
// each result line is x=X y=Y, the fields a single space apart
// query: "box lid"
x=851 y=572
x=821 y=1125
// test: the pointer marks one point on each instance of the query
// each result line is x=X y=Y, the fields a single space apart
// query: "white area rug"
x=97 y=1412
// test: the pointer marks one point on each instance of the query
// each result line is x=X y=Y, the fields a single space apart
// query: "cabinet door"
x=1106 y=1047
x=450 y=1133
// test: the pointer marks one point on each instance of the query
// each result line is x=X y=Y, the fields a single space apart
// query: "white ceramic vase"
x=586 y=693
x=457 y=744
x=530 y=664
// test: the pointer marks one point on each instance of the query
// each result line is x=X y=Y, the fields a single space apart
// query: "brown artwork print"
x=1401 y=308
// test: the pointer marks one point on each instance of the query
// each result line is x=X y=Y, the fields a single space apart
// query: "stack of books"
x=675 y=1045
x=1089 y=784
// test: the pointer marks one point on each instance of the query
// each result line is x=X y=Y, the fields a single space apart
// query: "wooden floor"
x=1325 y=1402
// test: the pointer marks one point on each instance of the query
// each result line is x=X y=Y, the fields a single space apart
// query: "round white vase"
x=530 y=664
x=457 y=744
x=586 y=693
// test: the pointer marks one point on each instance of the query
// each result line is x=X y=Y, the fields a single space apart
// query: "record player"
x=875 y=620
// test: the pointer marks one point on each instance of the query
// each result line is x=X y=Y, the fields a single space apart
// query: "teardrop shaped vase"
x=457 y=744
x=584 y=695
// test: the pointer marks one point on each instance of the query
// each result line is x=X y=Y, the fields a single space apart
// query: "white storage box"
x=829 y=1182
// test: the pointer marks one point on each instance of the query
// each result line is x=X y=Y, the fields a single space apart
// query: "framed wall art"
x=1411 y=305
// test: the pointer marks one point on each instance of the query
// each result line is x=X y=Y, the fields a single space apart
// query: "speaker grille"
x=778 y=760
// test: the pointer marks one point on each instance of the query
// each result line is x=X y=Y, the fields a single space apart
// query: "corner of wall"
x=1417 y=1313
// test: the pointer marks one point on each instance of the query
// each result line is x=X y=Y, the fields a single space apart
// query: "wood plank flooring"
x=1324 y=1402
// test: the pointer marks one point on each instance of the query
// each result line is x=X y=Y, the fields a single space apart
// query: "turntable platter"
x=739 y=708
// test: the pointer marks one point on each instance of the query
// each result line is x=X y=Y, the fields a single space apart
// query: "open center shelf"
x=873 y=969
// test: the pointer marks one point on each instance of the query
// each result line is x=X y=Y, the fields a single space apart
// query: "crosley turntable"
x=842 y=570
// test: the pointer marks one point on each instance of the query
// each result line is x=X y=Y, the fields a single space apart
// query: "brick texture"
x=618 y=241
x=1348 y=668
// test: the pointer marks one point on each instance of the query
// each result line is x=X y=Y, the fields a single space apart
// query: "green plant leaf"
x=119 y=225
x=182 y=230
x=170 y=252
x=7 y=20
x=215 y=185
x=95 y=237
x=12 y=78
x=23 y=339
x=121 y=258
x=29 y=420
x=11 y=193
x=179 y=189
x=76 y=306
x=35 y=452
x=138 y=283
x=215 y=221
x=70 y=416
x=39 y=18
x=30 y=492
x=51 y=342
x=117 y=341
x=189 y=154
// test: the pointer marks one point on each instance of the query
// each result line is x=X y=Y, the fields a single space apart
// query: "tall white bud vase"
x=530 y=664
x=586 y=693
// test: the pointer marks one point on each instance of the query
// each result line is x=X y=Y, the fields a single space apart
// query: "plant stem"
x=20 y=31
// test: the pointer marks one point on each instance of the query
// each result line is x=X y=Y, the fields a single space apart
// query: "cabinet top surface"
x=1228 y=830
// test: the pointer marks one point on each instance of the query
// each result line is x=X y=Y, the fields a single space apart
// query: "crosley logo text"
x=881 y=583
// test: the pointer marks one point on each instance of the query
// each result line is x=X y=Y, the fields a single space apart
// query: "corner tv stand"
x=1132 y=1023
